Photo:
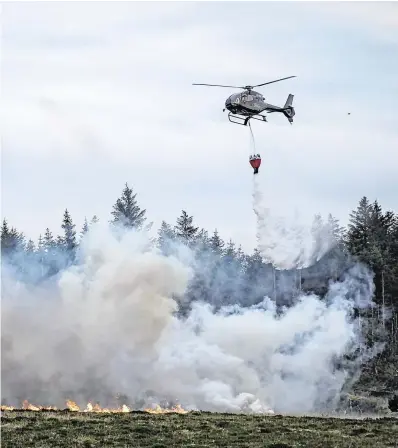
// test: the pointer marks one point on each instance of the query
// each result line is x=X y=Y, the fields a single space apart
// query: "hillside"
x=25 y=429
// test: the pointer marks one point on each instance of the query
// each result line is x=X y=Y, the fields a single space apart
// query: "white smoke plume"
x=285 y=242
x=109 y=326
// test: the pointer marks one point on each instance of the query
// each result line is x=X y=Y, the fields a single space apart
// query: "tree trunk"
x=383 y=299
x=274 y=275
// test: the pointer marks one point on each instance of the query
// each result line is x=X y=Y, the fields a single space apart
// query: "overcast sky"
x=98 y=94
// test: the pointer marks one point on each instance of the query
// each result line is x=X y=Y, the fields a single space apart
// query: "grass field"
x=140 y=429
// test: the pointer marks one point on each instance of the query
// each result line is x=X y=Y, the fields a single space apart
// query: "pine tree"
x=231 y=269
x=69 y=238
x=380 y=257
x=166 y=237
x=48 y=251
x=382 y=225
x=84 y=228
x=240 y=256
x=48 y=243
x=30 y=247
x=4 y=229
x=13 y=248
x=359 y=230
x=5 y=238
x=126 y=211
x=230 y=252
x=60 y=242
x=94 y=219
x=369 y=238
x=184 y=229
x=394 y=264
x=255 y=271
x=334 y=230
x=11 y=239
x=40 y=244
x=216 y=243
x=394 y=237
x=28 y=265
x=202 y=242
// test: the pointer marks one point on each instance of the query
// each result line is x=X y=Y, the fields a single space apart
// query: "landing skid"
x=245 y=120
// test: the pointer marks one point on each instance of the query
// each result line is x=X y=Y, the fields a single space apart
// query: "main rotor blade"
x=276 y=80
x=218 y=85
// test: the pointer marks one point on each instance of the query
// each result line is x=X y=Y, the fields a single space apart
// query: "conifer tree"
x=30 y=247
x=60 y=242
x=359 y=230
x=184 y=229
x=230 y=252
x=255 y=271
x=216 y=243
x=334 y=230
x=84 y=228
x=47 y=242
x=126 y=211
x=94 y=219
x=394 y=240
x=5 y=238
x=48 y=250
x=166 y=237
x=69 y=237
x=240 y=256
x=231 y=269
x=13 y=240
x=40 y=243
x=202 y=242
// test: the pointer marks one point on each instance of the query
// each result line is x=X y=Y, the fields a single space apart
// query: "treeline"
x=224 y=273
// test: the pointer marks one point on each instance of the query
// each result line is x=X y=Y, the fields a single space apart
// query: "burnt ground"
x=197 y=429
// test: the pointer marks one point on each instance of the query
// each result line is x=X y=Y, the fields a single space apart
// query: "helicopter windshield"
x=257 y=96
x=234 y=98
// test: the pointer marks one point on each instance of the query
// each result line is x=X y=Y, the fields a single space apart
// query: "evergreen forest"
x=230 y=276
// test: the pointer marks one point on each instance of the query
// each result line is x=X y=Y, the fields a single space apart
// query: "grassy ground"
x=139 y=429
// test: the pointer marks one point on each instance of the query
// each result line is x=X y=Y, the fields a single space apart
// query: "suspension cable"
x=252 y=138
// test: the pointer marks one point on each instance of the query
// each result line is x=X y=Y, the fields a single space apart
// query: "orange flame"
x=6 y=408
x=74 y=407
x=158 y=410
x=31 y=407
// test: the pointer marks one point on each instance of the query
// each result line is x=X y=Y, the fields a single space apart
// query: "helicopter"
x=249 y=104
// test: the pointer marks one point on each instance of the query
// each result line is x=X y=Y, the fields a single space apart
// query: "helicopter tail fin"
x=288 y=109
x=289 y=101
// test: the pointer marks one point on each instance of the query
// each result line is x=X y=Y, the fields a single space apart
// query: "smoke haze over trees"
x=224 y=276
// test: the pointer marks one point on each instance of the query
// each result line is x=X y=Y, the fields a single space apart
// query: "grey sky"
x=97 y=94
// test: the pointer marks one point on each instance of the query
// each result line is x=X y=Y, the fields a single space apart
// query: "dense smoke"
x=110 y=326
x=285 y=242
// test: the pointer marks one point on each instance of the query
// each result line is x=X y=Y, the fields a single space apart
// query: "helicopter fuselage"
x=249 y=103
x=244 y=106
